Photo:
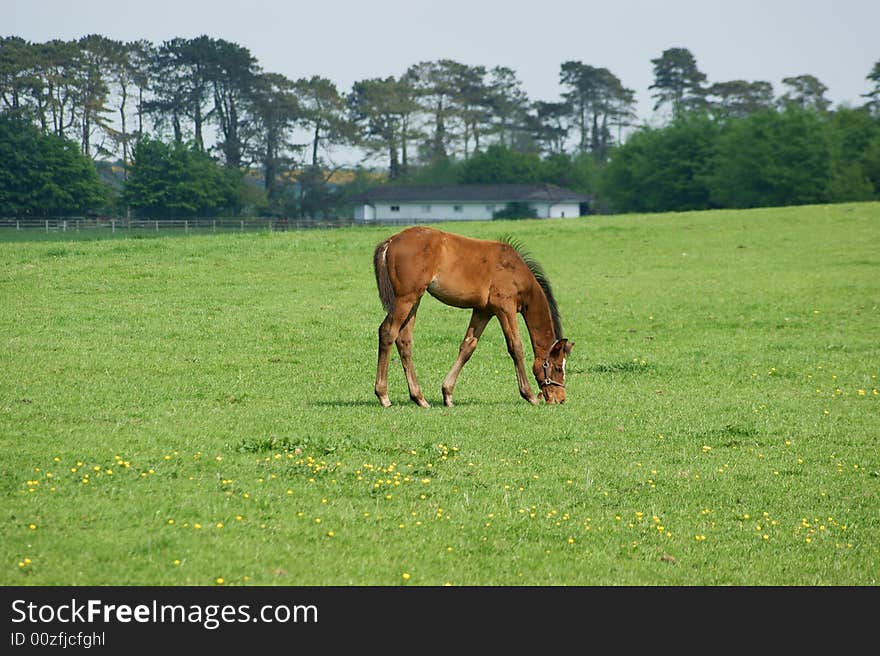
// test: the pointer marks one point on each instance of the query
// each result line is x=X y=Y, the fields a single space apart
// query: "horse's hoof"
x=422 y=403
x=386 y=403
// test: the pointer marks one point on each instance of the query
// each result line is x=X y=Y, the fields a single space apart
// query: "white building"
x=472 y=202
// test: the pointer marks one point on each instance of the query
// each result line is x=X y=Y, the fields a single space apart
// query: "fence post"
x=47 y=226
x=77 y=225
x=214 y=225
x=242 y=225
x=113 y=226
x=157 y=226
x=17 y=224
x=64 y=224
x=186 y=226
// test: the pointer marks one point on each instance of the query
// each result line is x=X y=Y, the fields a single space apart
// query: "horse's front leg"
x=515 y=349
x=475 y=328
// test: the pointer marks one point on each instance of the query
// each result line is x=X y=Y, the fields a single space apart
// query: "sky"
x=349 y=40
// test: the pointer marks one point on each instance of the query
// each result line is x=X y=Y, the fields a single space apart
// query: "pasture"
x=199 y=410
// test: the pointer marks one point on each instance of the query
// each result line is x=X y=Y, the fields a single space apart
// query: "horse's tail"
x=383 y=280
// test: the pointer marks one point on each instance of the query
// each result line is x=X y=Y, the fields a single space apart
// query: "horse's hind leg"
x=404 y=344
x=465 y=351
x=389 y=329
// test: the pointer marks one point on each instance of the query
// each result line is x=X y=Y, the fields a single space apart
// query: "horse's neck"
x=539 y=321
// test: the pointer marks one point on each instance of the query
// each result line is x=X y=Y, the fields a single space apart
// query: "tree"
x=472 y=103
x=180 y=86
x=598 y=100
x=500 y=165
x=44 y=175
x=178 y=180
x=439 y=172
x=382 y=110
x=771 y=159
x=465 y=104
x=580 y=96
x=739 y=98
x=805 y=92
x=853 y=137
x=615 y=108
x=97 y=55
x=873 y=95
x=322 y=112
x=58 y=91
x=436 y=87
x=508 y=105
x=275 y=111
x=621 y=110
x=578 y=172
x=140 y=56
x=128 y=77
x=665 y=169
x=516 y=210
x=231 y=72
x=549 y=125
x=678 y=81
x=17 y=64
x=870 y=162
x=316 y=198
x=51 y=80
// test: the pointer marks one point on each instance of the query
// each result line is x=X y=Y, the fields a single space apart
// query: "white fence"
x=200 y=226
x=107 y=225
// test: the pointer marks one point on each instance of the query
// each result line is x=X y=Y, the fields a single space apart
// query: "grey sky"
x=346 y=40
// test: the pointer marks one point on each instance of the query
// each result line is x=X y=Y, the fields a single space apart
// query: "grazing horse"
x=493 y=278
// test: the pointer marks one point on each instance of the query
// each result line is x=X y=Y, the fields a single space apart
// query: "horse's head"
x=550 y=372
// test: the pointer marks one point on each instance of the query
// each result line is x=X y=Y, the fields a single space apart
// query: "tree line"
x=195 y=126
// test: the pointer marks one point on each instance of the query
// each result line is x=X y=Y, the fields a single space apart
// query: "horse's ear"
x=561 y=346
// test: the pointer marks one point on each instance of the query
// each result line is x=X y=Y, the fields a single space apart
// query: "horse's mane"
x=541 y=277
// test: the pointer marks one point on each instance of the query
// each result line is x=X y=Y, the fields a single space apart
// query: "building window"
x=456 y=208
x=426 y=209
x=395 y=208
x=490 y=208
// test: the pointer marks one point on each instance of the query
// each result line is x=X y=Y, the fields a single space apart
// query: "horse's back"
x=457 y=270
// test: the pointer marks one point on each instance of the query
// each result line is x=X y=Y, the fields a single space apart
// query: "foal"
x=493 y=278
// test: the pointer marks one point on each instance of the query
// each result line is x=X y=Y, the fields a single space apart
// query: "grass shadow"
x=620 y=368
x=438 y=403
x=345 y=403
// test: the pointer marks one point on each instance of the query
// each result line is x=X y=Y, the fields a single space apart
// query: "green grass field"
x=198 y=410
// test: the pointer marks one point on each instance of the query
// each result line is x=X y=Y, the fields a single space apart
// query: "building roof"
x=504 y=193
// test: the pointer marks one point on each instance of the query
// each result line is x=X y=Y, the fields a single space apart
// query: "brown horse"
x=493 y=278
